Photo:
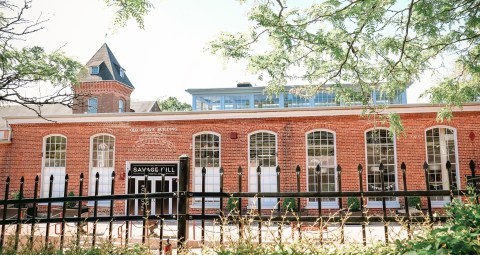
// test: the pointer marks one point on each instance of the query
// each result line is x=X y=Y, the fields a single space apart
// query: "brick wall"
x=142 y=141
x=108 y=94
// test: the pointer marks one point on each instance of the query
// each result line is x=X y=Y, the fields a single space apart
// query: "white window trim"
x=91 y=190
x=42 y=187
x=325 y=204
x=252 y=204
x=441 y=204
x=94 y=69
x=196 y=204
x=379 y=204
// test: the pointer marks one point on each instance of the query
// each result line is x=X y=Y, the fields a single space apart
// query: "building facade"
x=130 y=142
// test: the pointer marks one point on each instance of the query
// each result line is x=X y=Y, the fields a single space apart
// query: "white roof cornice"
x=230 y=114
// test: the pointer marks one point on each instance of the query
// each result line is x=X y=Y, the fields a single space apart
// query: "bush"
x=414 y=202
x=289 y=205
x=459 y=235
x=71 y=204
x=353 y=204
x=233 y=204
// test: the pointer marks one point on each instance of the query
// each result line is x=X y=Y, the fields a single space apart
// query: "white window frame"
x=325 y=204
x=94 y=69
x=90 y=108
x=121 y=105
x=378 y=204
x=211 y=172
x=59 y=178
x=267 y=203
x=442 y=203
x=105 y=172
x=122 y=73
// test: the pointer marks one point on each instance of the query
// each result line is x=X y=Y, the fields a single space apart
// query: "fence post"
x=127 y=222
x=183 y=180
x=319 y=202
x=384 y=202
x=340 y=203
x=407 y=211
x=4 y=216
x=450 y=183
x=145 y=204
x=79 y=224
x=360 y=179
x=474 y=181
x=427 y=182
x=297 y=171
x=221 y=206
x=49 y=211
x=204 y=173
x=35 y=195
x=279 y=225
x=95 y=210
x=259 y=201
x=112 y=192
x=240 y=225
x=19 y=212
x=64 y=210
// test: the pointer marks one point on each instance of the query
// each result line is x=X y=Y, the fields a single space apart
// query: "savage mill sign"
x=153 y=169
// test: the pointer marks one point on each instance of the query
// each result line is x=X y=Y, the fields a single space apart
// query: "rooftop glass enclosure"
x=254 y=98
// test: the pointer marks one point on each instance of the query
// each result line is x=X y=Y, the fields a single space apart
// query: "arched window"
x=102 y=161
x=441 y=147
x=380 y=148
x=121 y=105
x=54 y=162
x=207 y=154
x=263 y=153
x=321 y=152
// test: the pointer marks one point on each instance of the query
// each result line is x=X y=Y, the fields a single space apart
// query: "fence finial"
x=36 y=178
x=360 y=168
x=425 y=166
x=51 y=177
x=66 y=178
x=81 y=177
x=278 y=169
x=339 y=168
x=259 y=170
x=448 y=165
x=297 y=170
x=381 y=167
x=22 y=180
x=317 y=169
x=239 y=171
x=204 y=170
x=472 y=165
x=97 y=175
x=403 y=166
x=113 y=174
x=221 y=170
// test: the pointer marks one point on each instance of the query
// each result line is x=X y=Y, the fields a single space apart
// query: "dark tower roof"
x=108 y=68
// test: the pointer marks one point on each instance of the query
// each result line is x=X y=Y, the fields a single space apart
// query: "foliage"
x=290 y=205
x=233 y=204
x=130 y=9
x=353 y=204
x=71 y=204
x=171 y=104
x=415 y=202
x=24 y=67
x=381 y=45
x=460 y=235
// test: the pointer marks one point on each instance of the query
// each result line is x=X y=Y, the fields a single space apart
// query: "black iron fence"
x=17 y=215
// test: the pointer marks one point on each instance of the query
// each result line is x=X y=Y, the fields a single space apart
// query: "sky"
x=168 y=56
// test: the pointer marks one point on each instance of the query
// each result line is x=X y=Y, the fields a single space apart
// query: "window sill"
x=197 y=205
x=376 y=204
x=325 y=205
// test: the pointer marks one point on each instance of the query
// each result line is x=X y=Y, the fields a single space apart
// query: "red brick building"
x=122 y=141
